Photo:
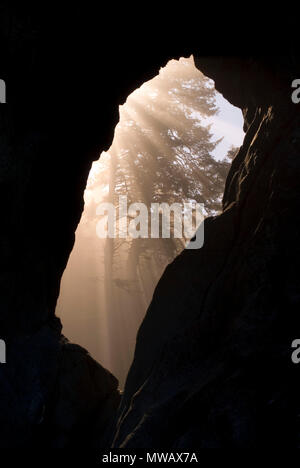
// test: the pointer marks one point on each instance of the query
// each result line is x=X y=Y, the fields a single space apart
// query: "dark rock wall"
x=221 y=320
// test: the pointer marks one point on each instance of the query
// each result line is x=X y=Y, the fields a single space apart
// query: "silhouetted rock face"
x=53 y=394
x=212 y=365
x=83 y=399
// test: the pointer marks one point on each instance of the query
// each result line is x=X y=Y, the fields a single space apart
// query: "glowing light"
x=105 y=290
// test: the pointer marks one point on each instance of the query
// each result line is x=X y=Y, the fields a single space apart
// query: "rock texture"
x=83 y=398
x=212 y=366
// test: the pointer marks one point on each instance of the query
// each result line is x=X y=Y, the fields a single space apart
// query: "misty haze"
x=169 y=146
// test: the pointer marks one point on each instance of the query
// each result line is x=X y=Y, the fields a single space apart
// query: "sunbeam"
x=166 y=149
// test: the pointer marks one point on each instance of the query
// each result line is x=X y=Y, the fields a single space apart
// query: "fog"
x=174 y=143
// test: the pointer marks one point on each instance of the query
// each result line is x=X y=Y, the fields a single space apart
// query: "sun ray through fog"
x=165 y=150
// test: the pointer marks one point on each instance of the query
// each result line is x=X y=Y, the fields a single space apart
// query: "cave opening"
x=174 y=143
